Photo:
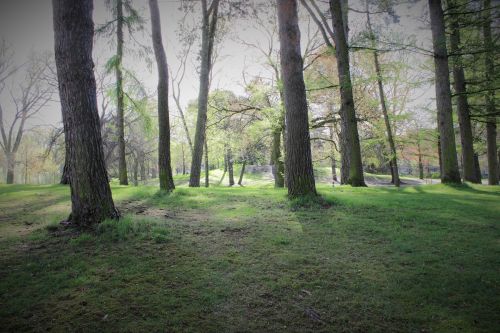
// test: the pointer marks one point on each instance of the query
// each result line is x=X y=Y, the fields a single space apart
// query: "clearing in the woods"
x=422 y=258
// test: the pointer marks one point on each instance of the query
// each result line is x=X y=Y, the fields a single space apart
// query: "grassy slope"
x=242 y=259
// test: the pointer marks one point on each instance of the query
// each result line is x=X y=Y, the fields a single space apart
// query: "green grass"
x=415 y=259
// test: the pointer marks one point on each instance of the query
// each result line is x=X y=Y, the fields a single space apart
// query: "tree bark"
x=65 y=174
x=165 y=168
x=333 y=158
x=242 y=172
x=349 y=122
x=120 y=112
x=477 y=168
x=207 y=168
x=450 y=172
x=420 y=164
x=73 y=37
x=298 y=160
x=11 y=161
x=277 y=165
x=230 y=166
x=469 y=174
x=207 y=44
x=491 y=125
x=136 y=171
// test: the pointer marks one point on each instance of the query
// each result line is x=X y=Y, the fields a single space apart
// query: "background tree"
x=450 y=173
x=27 y=99
x=165 y=169
x=209 y=26
x=491 y=122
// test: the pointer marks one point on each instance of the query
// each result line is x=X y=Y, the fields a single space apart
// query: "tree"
x=28 y=99
x=165 y=169
x=298 y=160
x=352 y=168
x=468 y=165
x=491 y=125
x=450 y=173
x=125 y=17
x=91 y=198
x=349 y=121
x=383 y=105
x=209 y=25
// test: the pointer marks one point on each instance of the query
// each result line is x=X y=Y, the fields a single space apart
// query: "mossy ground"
x=415 y=259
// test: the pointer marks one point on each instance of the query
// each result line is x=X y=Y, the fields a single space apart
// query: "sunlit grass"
x=215 y=259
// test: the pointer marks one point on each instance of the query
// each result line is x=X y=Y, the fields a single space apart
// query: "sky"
x=27 y=26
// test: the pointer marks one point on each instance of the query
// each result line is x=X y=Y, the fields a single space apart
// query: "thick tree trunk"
x=333 y=158
x=349 y=122
x=298 y=160
x=136 y=171
x=73 y=37
x=11 y=161
x=491 y=125
x=120 y=112
x=65 y=174
x=230 y=166
x=440 y=156
x=165 y=168
x=477 y=168
x=277 y=165
x=242 y=172
x=207 y=43
x=207 y=168
x=469 y=174
x=450 y=172
x=344 y=157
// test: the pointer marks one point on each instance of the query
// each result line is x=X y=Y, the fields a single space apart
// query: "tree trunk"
x=349 y=122
x=120 y=112
x=207 y=43
x=477 y=168
x=142 y=166
x=450 y=170
x=207 y=169
x=230 y=166
x=240 y=181
x=73 y=37
x=332 y=157
x=225 y=166
x=462 y=105
x=298 y=160
x=440 y=156
x=378 y=70
x=276 y=161
x=491 y=125
x=136 y=171
x=165 y=168
x=11 y=161
x=420 y=164
x=65 y=173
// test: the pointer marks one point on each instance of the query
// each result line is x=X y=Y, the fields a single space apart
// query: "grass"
x=415 y=259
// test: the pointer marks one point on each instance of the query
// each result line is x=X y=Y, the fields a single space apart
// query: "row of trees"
x=274 y=115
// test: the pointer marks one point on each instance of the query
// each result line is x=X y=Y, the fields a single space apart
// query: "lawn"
x=244 y=259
